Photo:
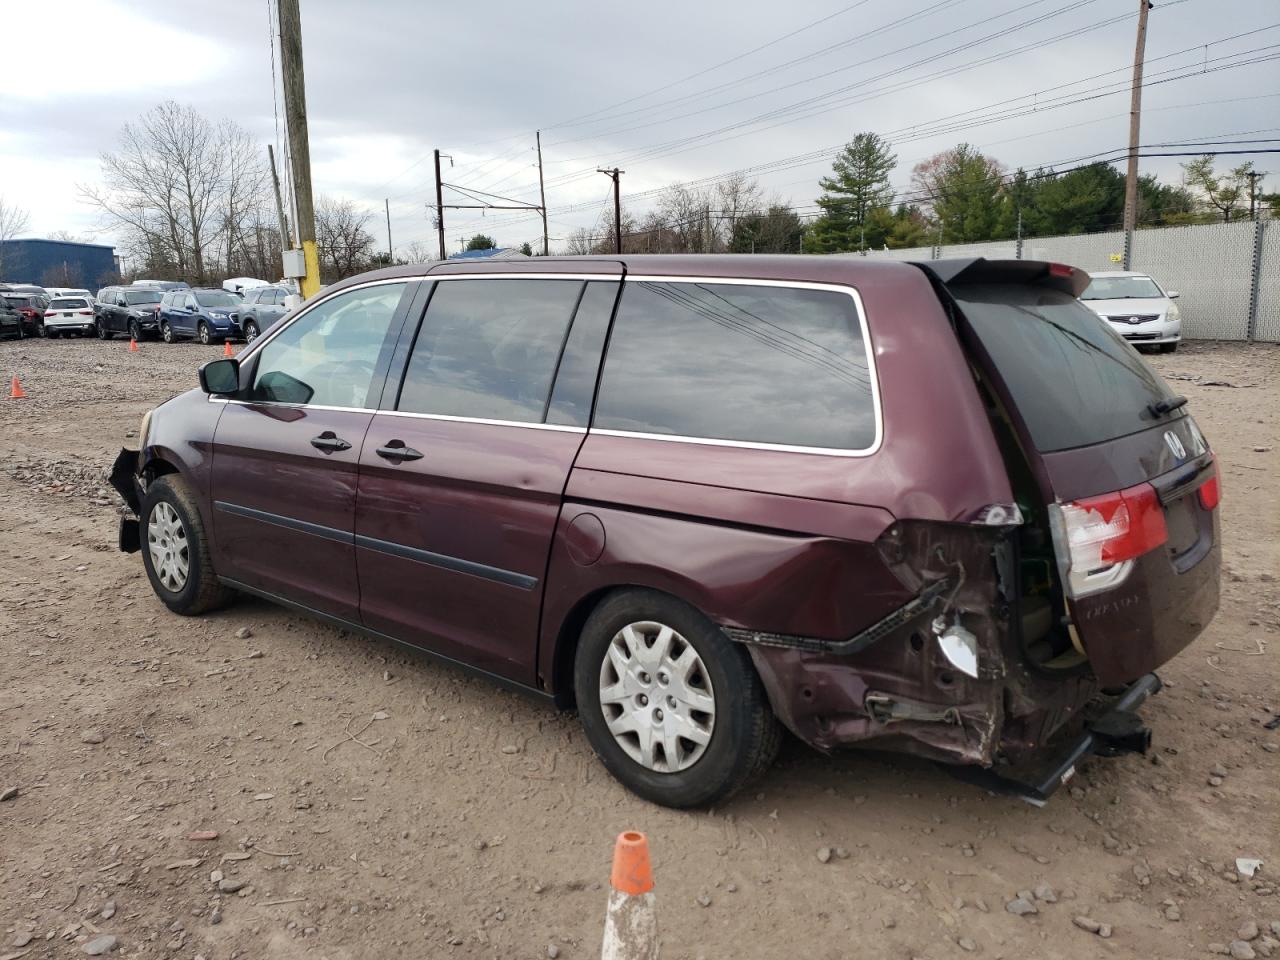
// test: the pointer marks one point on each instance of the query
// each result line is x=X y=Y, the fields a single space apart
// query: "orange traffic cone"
x=631 y=925
x=226 y=349
x=15 y=390
x=133 y=345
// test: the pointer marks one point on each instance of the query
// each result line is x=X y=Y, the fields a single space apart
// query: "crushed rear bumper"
x=1117 y=731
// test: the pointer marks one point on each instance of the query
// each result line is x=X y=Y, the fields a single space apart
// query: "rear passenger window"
x=488 y=349
x=580 y=363
x=739 y=362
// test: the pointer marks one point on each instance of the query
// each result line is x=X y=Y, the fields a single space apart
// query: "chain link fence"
x=1227 y=275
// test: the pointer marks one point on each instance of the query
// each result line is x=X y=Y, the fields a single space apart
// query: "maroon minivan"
x=939 y=508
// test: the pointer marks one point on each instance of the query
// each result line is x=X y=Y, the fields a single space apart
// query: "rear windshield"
x=216 y=298
x=1121 y=288
x=68 y=303
x=1074 y=380
x=142 y=296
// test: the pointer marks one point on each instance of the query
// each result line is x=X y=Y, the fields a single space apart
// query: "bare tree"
x=688 y=214
x=343 y=243
x=738 y=197
x=419 y=251
x=13 y=221
x=66 y=236
x=180 y=189
x=579 y=243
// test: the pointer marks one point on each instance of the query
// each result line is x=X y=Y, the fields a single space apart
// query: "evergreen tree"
x=859 y=185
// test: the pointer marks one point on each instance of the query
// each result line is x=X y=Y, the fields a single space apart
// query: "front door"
x=286 y=452
x=462 y=472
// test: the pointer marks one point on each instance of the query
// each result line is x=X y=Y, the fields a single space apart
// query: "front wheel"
x=672 y=707
x=175 y=549
x=103 y=332
x=135 y=331
x=202 y=331
x=166 y=331
x=250 y=332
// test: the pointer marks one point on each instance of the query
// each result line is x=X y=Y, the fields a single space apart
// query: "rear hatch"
x=1130 y=485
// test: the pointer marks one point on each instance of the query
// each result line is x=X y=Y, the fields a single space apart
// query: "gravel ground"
x=370 y=804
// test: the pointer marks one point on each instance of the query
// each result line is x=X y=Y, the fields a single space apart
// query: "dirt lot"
x=377 y=805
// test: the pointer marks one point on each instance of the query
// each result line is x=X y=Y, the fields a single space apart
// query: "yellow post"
x=310 y=284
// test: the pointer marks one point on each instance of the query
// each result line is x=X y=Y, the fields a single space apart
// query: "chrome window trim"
x=447 y=418
x=867 y=346
x=294 y=406
x=514 y=275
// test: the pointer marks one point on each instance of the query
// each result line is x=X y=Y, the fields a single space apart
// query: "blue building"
x=493 y=253
x=58 y=263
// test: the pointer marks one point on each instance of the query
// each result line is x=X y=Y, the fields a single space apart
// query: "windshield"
x=1121 y=288
x=142 y=296
x=68 y=303
x=216 y=298
x=1075 y=381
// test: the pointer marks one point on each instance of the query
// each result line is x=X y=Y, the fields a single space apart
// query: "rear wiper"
x=1159 y=408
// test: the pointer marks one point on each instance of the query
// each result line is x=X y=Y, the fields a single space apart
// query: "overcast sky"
x=668 y=90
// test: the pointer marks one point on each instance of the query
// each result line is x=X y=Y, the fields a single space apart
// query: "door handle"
x=329 y=443
x=397 y=452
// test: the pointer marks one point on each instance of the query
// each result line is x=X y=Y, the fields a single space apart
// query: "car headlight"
x=1172 y=313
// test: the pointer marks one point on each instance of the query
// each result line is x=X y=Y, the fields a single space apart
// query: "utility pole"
x=444 y=254
x=1254 y=176
x=542 y=198
x=1135 y=119
x=275 y=181
x=391 y=256
x=295 y=111
x=615 y=173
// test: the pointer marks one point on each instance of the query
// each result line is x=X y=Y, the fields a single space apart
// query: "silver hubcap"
x=656 y=697
x=170 y=552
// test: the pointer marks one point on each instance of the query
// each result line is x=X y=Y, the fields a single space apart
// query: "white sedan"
x=1137 y=307
x=68 y=315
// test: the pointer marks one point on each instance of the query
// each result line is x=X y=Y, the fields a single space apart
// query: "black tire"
x=1168 y=347
x=135 y=331
x=103 y=332
x=40 y=329
x=54 y=334
x=250 y=331
x=745 y=736
x=166 y=332
x=201 y=591
x=202 y=332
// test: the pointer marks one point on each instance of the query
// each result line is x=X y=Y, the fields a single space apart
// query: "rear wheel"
x=166 y=331
x=672 y=707
x=40 y=329
x=202 y=331
x=175 y=549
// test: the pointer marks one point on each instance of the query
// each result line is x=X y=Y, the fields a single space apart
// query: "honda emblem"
x=1175 y=445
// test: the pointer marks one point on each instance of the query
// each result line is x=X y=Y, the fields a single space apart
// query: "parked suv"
x=31 y=307
x=207 y=315
x=126 y=310
x=262 y=307
x=929 y=507
x=68 y=315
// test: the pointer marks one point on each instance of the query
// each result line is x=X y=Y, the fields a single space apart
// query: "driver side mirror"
x=1172 y=294
x=220 y=377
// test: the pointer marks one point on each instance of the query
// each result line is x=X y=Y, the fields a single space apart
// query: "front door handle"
x=397 y=452
x=329 y=443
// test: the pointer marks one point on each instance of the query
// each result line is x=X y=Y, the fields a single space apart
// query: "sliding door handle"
x=397 y=452
x=329 y=443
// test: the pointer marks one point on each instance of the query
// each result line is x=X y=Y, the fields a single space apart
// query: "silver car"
x=262 y=307
x=1137 y=308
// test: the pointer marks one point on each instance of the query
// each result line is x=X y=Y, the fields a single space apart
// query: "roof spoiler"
x=1058 y=276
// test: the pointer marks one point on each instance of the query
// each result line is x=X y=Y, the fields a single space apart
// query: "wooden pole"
x=444 y=254
x=1135 y=119
x=542 y=198
x=295 y=109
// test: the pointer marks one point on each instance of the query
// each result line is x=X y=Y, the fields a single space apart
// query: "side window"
x=251 y=296
x=489 y=348
x=329 y=355
x=739 y=362
x=189 y=302
x=580 y=363
x=273 y=297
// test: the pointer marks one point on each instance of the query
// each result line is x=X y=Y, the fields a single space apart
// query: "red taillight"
x=1061 y=270
x=1210 y=493
x=85 y=313
x=1114 y=527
